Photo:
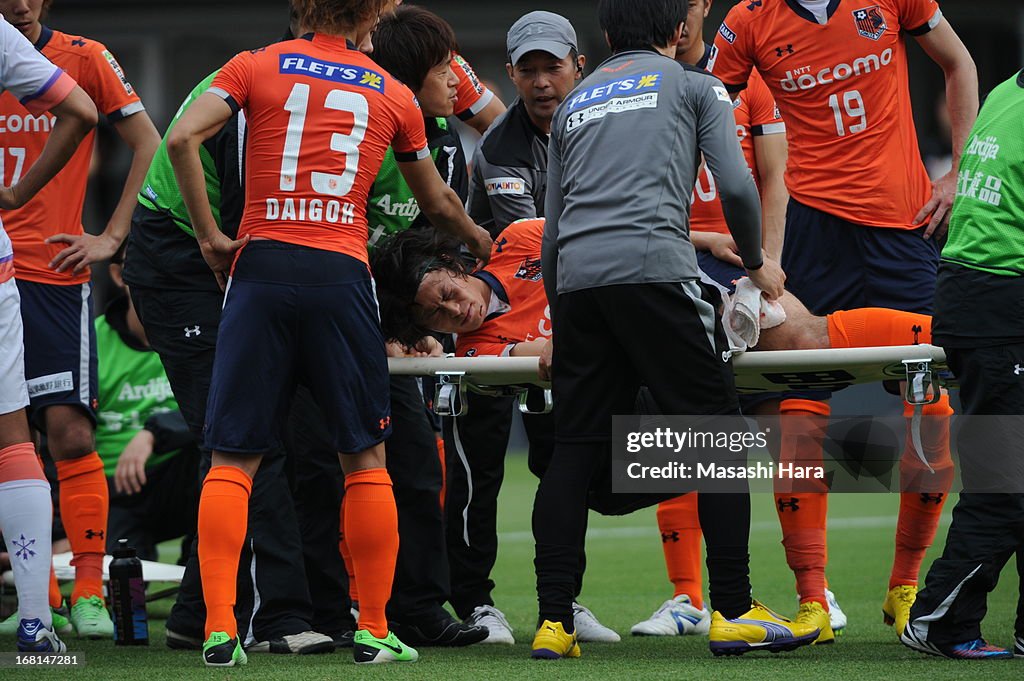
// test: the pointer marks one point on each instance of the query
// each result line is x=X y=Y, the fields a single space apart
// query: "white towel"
x=746 y=312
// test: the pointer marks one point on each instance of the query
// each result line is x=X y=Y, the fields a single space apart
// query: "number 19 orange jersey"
x=321 y=116
x=843 y=90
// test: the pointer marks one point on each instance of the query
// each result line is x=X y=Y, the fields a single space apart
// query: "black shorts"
x=296 y=314
x=614 y=339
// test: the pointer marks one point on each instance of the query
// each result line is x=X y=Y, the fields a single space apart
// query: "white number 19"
x=853 y=103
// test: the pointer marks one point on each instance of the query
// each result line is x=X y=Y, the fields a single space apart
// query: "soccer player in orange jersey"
x=863 y=222
x=300 y=301
x=52 y=256
x=476 y=105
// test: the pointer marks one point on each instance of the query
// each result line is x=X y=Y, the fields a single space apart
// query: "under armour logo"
x=24 y=547
x=194 y=331
x=499 y=244
x=385 y=422
x=779 y=51
x=1017 y=370
x=92 y=534
x=932 y=498
x=78 y=42
x=792 y=504
x=754 y=4
x=917 y=329
x=667 y=537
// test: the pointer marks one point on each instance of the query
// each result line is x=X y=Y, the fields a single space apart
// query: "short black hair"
x=399 y=264
x=411 y=41
x=640 y=24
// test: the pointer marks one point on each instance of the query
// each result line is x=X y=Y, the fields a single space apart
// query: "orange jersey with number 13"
x=321 y=116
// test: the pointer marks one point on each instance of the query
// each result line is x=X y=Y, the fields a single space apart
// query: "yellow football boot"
x=896 y=608
x=813 y=614
x=552 y=643
x=758 y=629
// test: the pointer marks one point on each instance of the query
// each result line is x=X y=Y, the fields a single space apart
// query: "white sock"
x=26 y=516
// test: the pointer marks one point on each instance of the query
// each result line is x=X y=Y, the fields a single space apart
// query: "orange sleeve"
x=765 y=117
x=472 y=95
x=410 y=143
x=234 y=81
x=918 y=17
x=108 y=85
x=732 y=56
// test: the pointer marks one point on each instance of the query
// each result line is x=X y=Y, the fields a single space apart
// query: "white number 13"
x=348 y=145
x=853 y=103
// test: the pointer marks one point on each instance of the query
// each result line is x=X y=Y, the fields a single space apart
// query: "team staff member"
x=510 y=164
x=978 y=323
x=647 y=118
x=306 y=207
x=864 y=220
x=25 y=506
x=52 y=259
x=507 y=184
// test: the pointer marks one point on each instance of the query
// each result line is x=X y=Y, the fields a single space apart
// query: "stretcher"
x=151 y=572
x=922 y=367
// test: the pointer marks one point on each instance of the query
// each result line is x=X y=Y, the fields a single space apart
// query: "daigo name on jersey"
x=311 y=210
x=803 y=79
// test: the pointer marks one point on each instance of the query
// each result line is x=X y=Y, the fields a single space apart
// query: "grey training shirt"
x=623 y=157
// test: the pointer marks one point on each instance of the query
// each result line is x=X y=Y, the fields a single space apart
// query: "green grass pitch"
x=625 y=582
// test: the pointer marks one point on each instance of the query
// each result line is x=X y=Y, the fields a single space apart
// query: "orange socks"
x=802 y=514
x=223 y=517
x=680 y=540
x=346 y=555
x=84 y=503
x=870 y=327
x=924 y=493
x=371 y=532
x=444 y=469
x=56 y=597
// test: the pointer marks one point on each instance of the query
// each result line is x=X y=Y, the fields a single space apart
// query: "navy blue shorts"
x=293 y=314
x=718 y=273
x=60 y=348
x=832 y=264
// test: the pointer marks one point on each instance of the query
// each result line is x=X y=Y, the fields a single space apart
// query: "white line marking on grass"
x=865 y=522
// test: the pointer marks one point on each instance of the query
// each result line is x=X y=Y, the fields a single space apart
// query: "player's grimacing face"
x=446 y=303
x=23 y=15
x=543 y=81
x=439 y=91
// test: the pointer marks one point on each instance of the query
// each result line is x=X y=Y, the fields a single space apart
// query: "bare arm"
x=770 y=153
x=442 y=206
x=76 y=116
x=202 y=120
x=481 y=121
x=945 y=48
x=139 y=133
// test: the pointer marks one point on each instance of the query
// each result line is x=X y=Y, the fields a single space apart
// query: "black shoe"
x=180 y=641
x=446 y=632
x=344 y=639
